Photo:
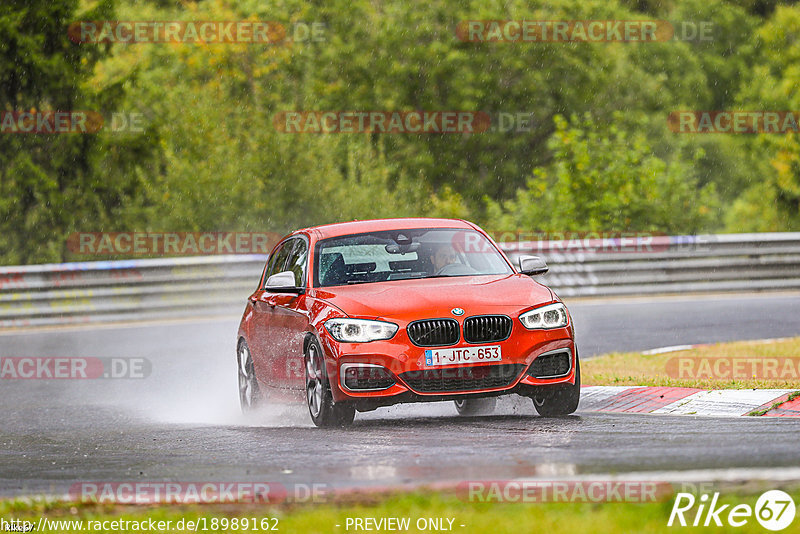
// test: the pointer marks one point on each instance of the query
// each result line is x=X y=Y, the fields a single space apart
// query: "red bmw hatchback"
x=358 y=315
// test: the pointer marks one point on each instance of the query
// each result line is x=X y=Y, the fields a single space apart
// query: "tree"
x=773 y=204
x=605 y=179
x=51 y=184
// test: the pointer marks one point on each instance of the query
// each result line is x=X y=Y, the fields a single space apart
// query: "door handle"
x=259 y=300
x=267 y=300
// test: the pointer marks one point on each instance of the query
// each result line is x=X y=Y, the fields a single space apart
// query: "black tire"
x=556 y=401
x=468 y=407
x=249 y=393
x=324 y=412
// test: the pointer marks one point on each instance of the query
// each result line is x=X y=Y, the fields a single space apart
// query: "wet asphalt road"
x=182 y=423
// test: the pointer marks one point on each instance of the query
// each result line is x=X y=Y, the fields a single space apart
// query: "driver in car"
x=443 y=256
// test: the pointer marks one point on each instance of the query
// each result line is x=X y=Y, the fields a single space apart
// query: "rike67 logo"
x=774 y=510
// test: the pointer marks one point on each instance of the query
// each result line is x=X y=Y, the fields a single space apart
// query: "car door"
x=290 y=319
x=263 y=330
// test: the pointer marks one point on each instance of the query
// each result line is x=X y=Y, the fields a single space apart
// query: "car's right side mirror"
x=532 y=265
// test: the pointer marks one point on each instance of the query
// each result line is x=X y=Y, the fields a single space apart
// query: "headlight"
x=550 y=316
x=359 y=330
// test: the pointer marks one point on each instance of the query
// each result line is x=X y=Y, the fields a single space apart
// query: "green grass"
x=476 y=517
x=791 y=397
x=637 y=369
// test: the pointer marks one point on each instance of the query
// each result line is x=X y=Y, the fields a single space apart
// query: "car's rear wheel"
x=249 y=392
x=554 y=401
x=324 y=412
x=484 y=406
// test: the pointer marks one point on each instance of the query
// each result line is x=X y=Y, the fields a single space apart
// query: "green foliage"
x=773 y=203
x=211 y=158
x=605 y=179
x=51 y=185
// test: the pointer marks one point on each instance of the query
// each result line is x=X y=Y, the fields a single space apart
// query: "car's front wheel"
x=249 y=393
x=324 y=412
x=554 y=401
x=475 y=406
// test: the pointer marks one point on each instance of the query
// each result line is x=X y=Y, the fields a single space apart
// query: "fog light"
x=551 y=364
x=365 y=377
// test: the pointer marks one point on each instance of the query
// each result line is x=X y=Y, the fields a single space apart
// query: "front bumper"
x=405 y=362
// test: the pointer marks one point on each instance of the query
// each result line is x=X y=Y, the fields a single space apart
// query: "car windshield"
x=406 y=254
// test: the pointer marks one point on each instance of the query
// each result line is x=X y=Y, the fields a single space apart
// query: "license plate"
x=439 y=357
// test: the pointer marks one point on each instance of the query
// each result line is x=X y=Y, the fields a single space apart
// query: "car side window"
x=277 y=262
x=297 y=262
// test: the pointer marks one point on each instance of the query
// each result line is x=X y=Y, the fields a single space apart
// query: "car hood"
x=436 y=297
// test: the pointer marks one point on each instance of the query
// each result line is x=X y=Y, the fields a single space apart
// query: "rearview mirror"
x=402 y=248
x=282 y=283
x=532 y=265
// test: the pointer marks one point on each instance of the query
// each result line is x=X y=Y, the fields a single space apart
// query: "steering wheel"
x=454 y=269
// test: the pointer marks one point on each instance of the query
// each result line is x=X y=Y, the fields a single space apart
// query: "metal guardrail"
x=90 y=292
x=670 y=264
x=103 y=291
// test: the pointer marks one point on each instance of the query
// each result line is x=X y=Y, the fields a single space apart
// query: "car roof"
x=376 y=225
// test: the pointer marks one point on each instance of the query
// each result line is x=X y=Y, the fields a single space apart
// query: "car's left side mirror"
x=532 y=265
x=282 y=283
